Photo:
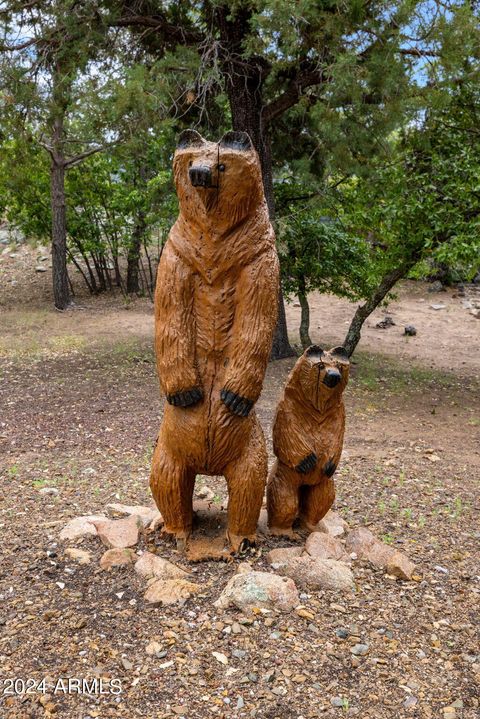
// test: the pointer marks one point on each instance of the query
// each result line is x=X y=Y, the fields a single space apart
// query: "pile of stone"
x=324 y=562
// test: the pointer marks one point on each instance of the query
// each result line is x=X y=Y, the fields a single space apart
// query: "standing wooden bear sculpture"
x=215 y=312
x=307 y=440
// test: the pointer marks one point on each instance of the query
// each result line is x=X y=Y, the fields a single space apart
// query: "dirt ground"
x=80 y=410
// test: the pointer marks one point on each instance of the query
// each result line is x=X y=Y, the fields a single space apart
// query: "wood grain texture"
x=215 y=313
x=308 y=436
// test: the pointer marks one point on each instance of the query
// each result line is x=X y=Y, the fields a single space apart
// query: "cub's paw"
x=240 y=406
x=307 y=464
x=330 y=468
x=186 y=398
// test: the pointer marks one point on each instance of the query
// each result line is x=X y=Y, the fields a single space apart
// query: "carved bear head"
x=323 y=374
x=220 y=181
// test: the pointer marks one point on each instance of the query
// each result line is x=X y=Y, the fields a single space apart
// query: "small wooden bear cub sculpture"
x=215 y=312
x=307 y=440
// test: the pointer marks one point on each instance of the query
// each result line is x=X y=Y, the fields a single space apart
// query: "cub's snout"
x=200 y=176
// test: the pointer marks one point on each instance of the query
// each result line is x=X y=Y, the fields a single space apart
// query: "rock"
x=170 y=591
x=309 y=572
x=151 y=566
x=259 y=589
x=359 y=650
x=324 y=546
x=438 y=307
x=282 y=555
x=410 y=331
x=386 y=322
x=436 y=287
x=205 y=493
x=332 y=524
x=153 y=648
x=399 y=565
x=337 y=702
x=40 y=268
x=244 y=568
x=119 y=533
x=78 y=555
x=366 y=546
x=81 y=527
x=220 y=657
x=117 y=558
x=126 y=663
x=146 y=514
x=48 y=490
x=475 y=313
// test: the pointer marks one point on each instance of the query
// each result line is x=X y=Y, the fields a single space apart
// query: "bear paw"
x=307 y=464
x=240 y=406
x=186 y=398
x=330 y=468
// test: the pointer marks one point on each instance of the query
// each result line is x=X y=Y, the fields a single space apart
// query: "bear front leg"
x=175 y=331
x=315 y=501
x=251 y=334
x=282 y=500
x=246 y=477
x=172 y=483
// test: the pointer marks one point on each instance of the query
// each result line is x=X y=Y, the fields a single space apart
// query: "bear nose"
x=332 y=378
x=200 y=176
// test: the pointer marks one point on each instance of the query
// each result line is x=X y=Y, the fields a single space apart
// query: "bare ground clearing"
x=80 y=410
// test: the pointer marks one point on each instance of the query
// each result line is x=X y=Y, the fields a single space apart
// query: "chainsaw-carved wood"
x=215 y=312
x=308 y=435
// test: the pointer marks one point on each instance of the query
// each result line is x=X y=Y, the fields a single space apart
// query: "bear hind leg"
x=172 y=483
x=282 y=501
x=246 y=477
x=315 y=501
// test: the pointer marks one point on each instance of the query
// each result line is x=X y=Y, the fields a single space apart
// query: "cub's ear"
x=189 y=138
x=314 y=350
x=341 y=353
x=235 y=140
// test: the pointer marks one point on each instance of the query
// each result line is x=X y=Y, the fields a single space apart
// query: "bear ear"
x=341 y=353
x=314 y=351
x=236 y=140
x=189 y=138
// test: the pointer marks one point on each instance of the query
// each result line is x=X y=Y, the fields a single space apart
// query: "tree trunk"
x=304 y=320
x=244 y=79
x=138 y=234
x=61 y=293
x=363 y=311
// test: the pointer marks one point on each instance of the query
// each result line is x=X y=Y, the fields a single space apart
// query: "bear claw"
x=307 y=464
x=187 y=398
x=240 y=406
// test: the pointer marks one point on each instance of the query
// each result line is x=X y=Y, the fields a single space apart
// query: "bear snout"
x=332 y=378
x=200 y=176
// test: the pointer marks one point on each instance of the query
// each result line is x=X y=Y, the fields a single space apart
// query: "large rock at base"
x=366 y=546
x=117 y=558
x=146 y=514
x=151 y=566
x=282 y=555
x=311 y=573
x=170 y=591
x=251 y=590
x=81 y=527
x=324 y=546
x=119 y=533
x=332 y=524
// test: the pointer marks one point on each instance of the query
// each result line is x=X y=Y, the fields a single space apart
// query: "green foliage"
x=317 y=251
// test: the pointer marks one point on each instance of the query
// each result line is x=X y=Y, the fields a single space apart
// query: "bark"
x=61 y=292
x=304 y=320
x=363 y=311
x=244 y=80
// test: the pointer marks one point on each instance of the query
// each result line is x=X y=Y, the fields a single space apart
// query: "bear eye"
x=221 y=168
